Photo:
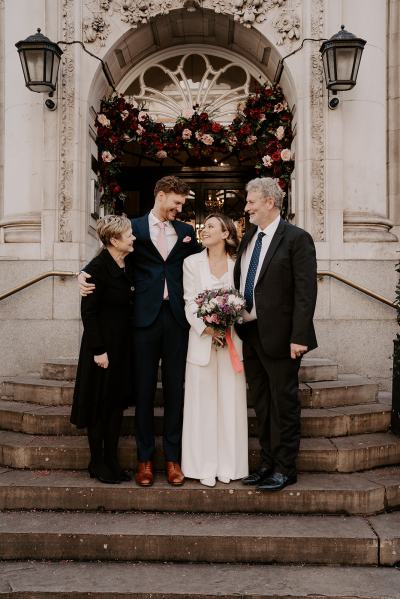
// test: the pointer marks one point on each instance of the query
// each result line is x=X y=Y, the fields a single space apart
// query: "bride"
x=214 y=441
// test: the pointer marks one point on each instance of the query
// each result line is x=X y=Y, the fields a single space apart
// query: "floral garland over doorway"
x=259 y=135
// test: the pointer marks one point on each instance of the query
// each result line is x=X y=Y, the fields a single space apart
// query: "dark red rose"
x=276 y=156
x=245 y=130
x=272 y=147
x=282 y=184
x=115 y=189
x=203 y=116
x=255 y=113
x=216 y=127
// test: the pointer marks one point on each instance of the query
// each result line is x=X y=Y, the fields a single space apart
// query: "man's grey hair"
x=268 y=188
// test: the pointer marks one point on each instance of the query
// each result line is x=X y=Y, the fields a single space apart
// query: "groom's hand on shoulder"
x=85 y=288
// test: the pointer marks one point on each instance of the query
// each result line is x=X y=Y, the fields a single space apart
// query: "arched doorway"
x=183 y=79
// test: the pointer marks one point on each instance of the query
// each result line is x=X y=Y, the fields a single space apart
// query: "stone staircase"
x=335 y=534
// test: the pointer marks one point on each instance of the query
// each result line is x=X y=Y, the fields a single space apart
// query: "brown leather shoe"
x=144 y=474
x=174 y=474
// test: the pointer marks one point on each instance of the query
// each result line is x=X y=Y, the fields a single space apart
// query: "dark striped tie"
x=251 y=273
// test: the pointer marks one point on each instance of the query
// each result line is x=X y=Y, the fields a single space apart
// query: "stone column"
x=23 y=134
x=393 y=74
x=365 y=216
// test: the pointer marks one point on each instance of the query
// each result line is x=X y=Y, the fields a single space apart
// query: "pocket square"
x=186 y=239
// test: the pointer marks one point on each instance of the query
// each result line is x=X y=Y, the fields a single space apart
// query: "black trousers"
x=273 y=390
x=103 y=437
x=164 y=339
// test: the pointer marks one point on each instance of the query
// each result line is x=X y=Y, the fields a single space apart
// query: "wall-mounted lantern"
x=40 y=60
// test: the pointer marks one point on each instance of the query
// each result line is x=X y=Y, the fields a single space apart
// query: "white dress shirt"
x=269 y=232
x=170 y=232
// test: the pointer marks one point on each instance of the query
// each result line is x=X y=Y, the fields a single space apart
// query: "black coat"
x=107 y=321
x=286 y=290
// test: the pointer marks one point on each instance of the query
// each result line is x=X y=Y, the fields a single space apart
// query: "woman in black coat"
x=104 y=386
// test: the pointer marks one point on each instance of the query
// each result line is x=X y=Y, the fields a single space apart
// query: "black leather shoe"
x=277 y=481
x=257 y=477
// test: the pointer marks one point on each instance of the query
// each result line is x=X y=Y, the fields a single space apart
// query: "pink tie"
x=163 y=249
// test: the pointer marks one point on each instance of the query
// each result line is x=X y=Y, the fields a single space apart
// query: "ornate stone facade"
x=317 y=126
x=67 y=91
x=98 y=15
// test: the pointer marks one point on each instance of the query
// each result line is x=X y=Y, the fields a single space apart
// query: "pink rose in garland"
x=208 y=140
x=259 y=135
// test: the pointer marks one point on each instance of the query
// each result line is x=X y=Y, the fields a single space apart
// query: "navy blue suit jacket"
x=150 y=271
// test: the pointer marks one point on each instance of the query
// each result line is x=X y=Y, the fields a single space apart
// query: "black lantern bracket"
x=40 y=60
x=341 y=56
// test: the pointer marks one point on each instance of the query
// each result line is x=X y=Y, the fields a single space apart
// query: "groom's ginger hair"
x=171 y=184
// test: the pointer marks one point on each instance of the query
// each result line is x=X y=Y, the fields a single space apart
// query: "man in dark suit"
x=276 y=272
x=160 y=325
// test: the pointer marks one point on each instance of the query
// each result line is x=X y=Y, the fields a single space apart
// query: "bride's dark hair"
x=227 y=224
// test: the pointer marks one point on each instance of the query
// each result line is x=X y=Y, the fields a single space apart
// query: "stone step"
x=54 y=420
x=232 y=538
x=347 y=390
x=132 y=580
x=341 y=454
x=364 y=493
x=312 y=369
x=32 y=389
x=62 y=369
x=318 y=369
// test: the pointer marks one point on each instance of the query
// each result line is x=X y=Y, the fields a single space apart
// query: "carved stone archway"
x=260 y=30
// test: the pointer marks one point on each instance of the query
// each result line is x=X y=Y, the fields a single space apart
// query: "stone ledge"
x=229 y=538
x=198 y=581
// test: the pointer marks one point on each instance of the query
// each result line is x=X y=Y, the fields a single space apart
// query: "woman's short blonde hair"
x=112 y=227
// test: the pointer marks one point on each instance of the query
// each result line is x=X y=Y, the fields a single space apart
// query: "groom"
x=276 y=271
x=160 y=325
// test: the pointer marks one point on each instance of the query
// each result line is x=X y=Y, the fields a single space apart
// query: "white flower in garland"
x=267 y=161
x=280 y=133
x=186 y=134
x=161 y=154
x=286 y=155
x=124 y=114
x=107 y=156
x=103 y=120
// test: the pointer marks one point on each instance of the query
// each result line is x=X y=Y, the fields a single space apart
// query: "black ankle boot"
x=118 y=471
x=103 y=473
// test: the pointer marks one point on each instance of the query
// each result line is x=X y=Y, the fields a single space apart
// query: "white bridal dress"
x=214 y=441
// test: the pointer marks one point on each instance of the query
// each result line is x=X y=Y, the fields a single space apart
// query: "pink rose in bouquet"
x=221 y=309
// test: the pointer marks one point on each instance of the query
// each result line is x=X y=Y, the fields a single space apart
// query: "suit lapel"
x=178 y=231
x=142 y=229
x=204 y=270
x=272 y=247
x=242 y=247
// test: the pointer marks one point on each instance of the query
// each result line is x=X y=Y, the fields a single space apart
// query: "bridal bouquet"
x=221 y=309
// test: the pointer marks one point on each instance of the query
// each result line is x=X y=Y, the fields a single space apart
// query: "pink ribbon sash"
x=236 y=362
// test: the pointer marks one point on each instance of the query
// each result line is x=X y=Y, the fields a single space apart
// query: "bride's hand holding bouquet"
x=220 y=309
